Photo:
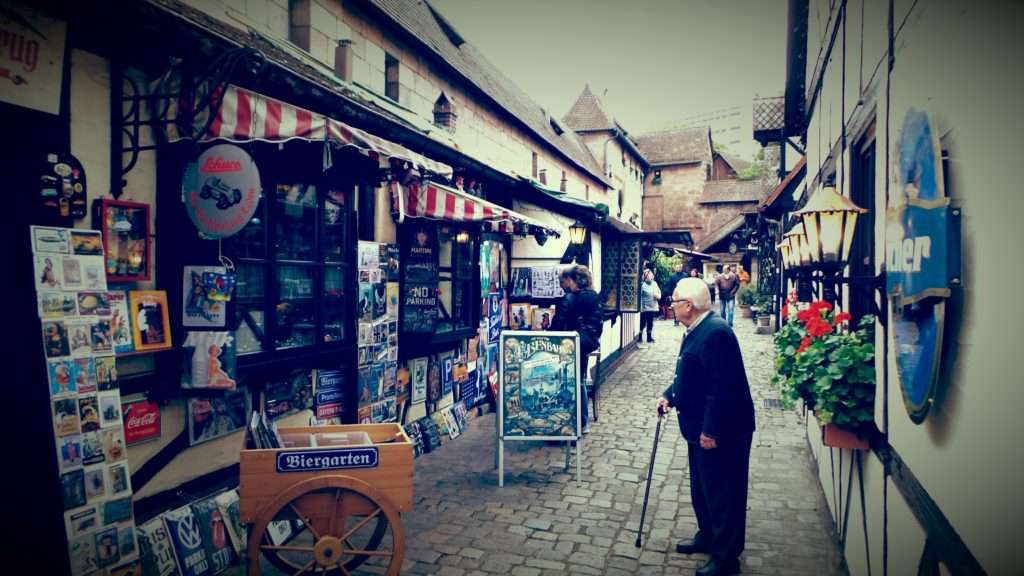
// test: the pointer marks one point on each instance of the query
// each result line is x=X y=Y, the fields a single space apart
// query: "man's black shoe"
x=716 y=567
x=692 y=546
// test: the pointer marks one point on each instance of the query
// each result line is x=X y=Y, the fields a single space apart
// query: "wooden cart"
x=341 y=504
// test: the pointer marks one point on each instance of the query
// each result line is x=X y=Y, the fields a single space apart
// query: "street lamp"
x=829 y=220
x=798 y=259
x=577 y=233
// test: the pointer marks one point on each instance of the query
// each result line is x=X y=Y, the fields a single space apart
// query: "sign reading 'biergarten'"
x=316 y=460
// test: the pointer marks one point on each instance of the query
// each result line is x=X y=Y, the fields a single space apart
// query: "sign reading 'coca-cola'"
x=141 y=421
x=221 y=190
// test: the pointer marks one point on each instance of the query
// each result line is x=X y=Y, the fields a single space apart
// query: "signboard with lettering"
x=221 y=190
x=922 y=256
x=419 y=307
x=31 y=58
x=539 y=385
x=329 y=397
x=319 y=460
x=141 y=421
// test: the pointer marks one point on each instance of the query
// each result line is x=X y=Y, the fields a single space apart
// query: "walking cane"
x=650 y=473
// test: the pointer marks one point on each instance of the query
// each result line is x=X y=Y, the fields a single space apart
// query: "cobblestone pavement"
x=544 y=522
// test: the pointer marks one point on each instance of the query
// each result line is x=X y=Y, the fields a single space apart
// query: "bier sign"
x=922 y=261
x=318 y=460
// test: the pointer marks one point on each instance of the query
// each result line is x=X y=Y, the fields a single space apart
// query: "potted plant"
x=764 y=317
x=821 y=361
x=744 y=300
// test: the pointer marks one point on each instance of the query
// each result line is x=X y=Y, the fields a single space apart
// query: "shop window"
x=562 y=185
x=293 y=268
x=455 y=280
x=544 y=176
x=534 y=165
x=656 y=179
x=391 y=77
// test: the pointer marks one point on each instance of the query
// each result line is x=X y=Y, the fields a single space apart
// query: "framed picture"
x=125 y=228
x=151 y=324
x=538 y=395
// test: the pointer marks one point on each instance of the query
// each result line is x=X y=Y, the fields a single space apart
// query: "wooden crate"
x=260 y=481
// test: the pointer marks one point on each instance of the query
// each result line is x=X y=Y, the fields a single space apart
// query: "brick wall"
x=680 y=188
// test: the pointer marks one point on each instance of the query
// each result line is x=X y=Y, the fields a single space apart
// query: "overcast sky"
x=661 y=61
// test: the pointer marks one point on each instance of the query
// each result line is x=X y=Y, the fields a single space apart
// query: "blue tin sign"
x=319 y=460
x=922 y=261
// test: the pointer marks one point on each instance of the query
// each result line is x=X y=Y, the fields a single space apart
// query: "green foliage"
x=827 y=366
x=664 y=267
x=746 y=295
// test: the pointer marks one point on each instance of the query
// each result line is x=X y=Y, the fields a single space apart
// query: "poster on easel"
x=538 y=391
x=539 y=385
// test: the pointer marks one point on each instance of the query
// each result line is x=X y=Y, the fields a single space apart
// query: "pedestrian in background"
x=727 y=285
x=716 y=418
x=650 y=293
x=580 y=312
x=677 y=275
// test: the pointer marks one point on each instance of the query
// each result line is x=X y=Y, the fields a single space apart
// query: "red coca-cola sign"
x=141 y=421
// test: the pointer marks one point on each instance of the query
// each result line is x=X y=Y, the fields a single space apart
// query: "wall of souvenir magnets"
x=377 y=391
x=83 y=327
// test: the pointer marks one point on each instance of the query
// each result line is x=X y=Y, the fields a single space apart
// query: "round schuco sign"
x=221 y=190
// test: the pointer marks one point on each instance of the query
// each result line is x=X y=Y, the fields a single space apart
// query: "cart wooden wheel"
x=345 y=522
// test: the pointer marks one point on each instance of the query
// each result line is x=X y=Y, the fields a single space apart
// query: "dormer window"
x=444 y=113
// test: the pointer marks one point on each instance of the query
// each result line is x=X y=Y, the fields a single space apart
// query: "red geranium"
x=805 y=343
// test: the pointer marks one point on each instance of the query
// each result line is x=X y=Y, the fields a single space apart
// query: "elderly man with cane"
x=716 y=417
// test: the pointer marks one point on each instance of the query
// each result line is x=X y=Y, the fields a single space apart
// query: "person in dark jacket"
x=580 y=312
x=711 y=396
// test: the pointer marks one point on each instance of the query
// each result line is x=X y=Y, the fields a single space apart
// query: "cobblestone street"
x=544 y=522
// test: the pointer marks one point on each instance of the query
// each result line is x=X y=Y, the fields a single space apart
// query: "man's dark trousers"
x=718 y=489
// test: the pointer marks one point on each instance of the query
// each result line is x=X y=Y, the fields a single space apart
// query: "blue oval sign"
x=922 y=261
x=318 y=460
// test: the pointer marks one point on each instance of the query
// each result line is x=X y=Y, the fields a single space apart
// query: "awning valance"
x=440 y=202
x=245 y=116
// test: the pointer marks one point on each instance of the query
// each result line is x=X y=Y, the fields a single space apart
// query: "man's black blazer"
x=710 y=392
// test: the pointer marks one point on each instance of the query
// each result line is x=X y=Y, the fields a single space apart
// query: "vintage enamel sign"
x=221 y=190
x=922 y=261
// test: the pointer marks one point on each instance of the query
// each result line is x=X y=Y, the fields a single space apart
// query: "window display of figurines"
x=333 y=235
x=89 y=412
x=119 y=481
x=84 y=374
x=65 y=416
x=110 y=409
x=333 y=304
x=125 y=228
x=296 y=308
x=55 y=339
x=69 y=452
x=61 y=374
x=295 y=218
x=95 y=484
x=106 y=372
x=113 y=444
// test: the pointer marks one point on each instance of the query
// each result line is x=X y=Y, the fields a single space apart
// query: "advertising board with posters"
x=538 y=390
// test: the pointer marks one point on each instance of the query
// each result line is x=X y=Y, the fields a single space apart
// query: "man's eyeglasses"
x=680 y=300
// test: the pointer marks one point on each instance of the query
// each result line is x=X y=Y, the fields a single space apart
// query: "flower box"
x=836 y=437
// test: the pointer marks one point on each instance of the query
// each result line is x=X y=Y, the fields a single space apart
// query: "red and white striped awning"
x=245 y=116
x=439 y=202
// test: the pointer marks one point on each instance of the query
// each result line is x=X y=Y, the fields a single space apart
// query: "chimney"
x=343 y=60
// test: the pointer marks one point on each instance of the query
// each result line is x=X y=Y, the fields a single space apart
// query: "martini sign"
x=922 y=261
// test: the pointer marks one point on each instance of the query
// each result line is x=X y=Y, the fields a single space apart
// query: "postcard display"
x=83 y=326
x=378 y=396
x=539 y=391
x=541 y=283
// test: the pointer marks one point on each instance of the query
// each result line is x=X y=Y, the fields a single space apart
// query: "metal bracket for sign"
x=197 y=97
